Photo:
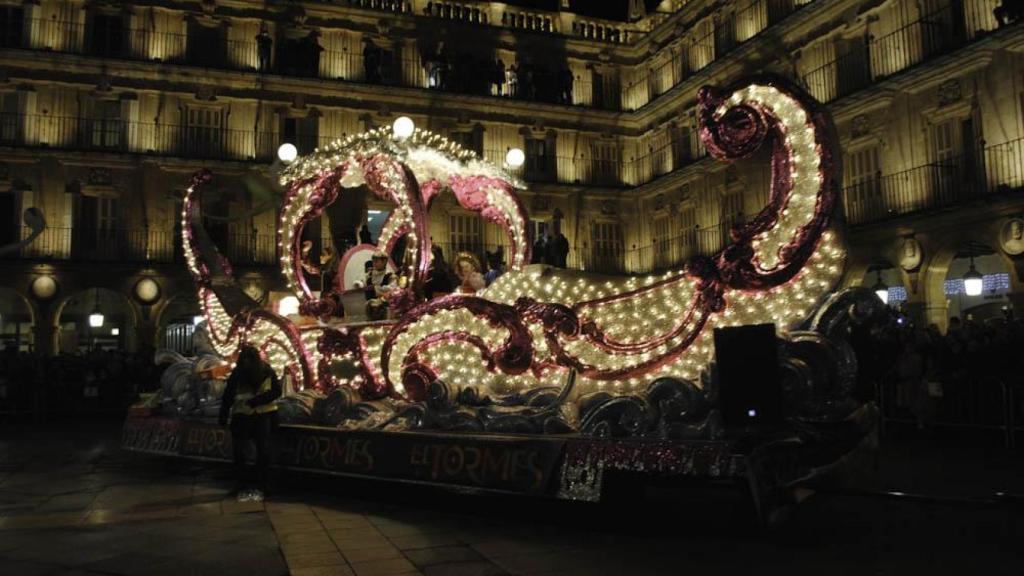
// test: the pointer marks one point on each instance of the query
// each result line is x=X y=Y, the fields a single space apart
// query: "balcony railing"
x=939 y=32
x=460 y=73
x=583 y=168
x=139 y=245
x=115 y=135
x=212 y=143
x=164 y=246
x=617 y=258
x=996 y=169
x=455 y=75
x=750 y=19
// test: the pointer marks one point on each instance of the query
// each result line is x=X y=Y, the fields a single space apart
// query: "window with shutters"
x=302 y=132
x=206 y=45
x=862 y=174
x=539 y=159
x=10 y=117
x=863 y=184
x=732 y=208
x=107 y=127
x=725 y=33
x=299 y=56
x=466 y=234
x=106 y=214
x=107 y=35
x=605 y=158
x=95 y=236
x=468 y=139
x=681 y=153
x=606 y=246
x=662 y=241
x=12 y=26
x=852 y=65
x=10 y=224
x=731 y=214
x=204 y=132
x=687 y=229
x=945 y=159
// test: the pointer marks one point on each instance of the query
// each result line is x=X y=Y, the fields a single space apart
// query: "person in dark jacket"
x=249 y=399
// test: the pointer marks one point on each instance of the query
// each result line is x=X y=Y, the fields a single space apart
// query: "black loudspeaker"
x=749 y=391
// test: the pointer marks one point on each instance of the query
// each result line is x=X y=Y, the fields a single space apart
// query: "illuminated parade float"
x=548 y=379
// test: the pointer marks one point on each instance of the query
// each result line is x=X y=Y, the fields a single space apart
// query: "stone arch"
x=940 y=254
x=182 y=303
x=84 y=299
x=12 y=305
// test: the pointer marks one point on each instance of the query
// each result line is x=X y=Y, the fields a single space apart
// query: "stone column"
x=44 y=329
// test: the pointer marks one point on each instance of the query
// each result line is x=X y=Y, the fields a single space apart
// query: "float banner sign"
x=501 y=463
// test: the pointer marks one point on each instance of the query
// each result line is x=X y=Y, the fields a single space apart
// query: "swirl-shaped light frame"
x=541 y=327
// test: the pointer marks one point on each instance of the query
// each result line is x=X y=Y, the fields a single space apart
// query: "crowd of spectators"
x=100 y=381
x=968 y=375
x=469 y=73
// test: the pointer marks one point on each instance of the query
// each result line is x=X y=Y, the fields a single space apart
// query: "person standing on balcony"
x=512 y=79
x=566 y=88
x=561 y=250
x=539 y=250
x=498 y=78
x=264 y=47
x=371 y=63
x=249 y=398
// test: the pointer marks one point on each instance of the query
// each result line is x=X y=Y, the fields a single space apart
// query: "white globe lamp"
x=515 y=157
x=287 y=152
x=403 y=127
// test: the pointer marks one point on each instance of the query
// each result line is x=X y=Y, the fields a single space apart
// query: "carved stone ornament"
x=949 y=92
x=860 y=126
x=608 y=207
x=100 y=177
x=659 y=202
x=206 y=93
x=1011 y=237
x=297 y=14
x=208 y=6
x=910 y=254
x=540 y=203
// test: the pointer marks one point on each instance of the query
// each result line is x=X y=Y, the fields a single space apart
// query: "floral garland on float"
x=545 y=350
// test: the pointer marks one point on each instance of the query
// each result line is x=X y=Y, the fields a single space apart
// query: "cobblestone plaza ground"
x=71 y=502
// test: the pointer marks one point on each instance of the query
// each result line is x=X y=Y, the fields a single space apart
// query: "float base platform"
x=564 y=466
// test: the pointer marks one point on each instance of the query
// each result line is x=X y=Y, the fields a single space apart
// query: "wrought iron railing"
x=613 y=257
x=938 y=32
x=139 y=245
x=213 y=143
x=116 y=135
x=992 y=170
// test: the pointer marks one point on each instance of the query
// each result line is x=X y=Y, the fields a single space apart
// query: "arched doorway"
x=890 y=277
x=96 y=319
x=177 y=323
x=993 y=302
x=16 y=322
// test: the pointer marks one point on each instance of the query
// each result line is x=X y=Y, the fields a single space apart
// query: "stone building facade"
x=107 y=107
